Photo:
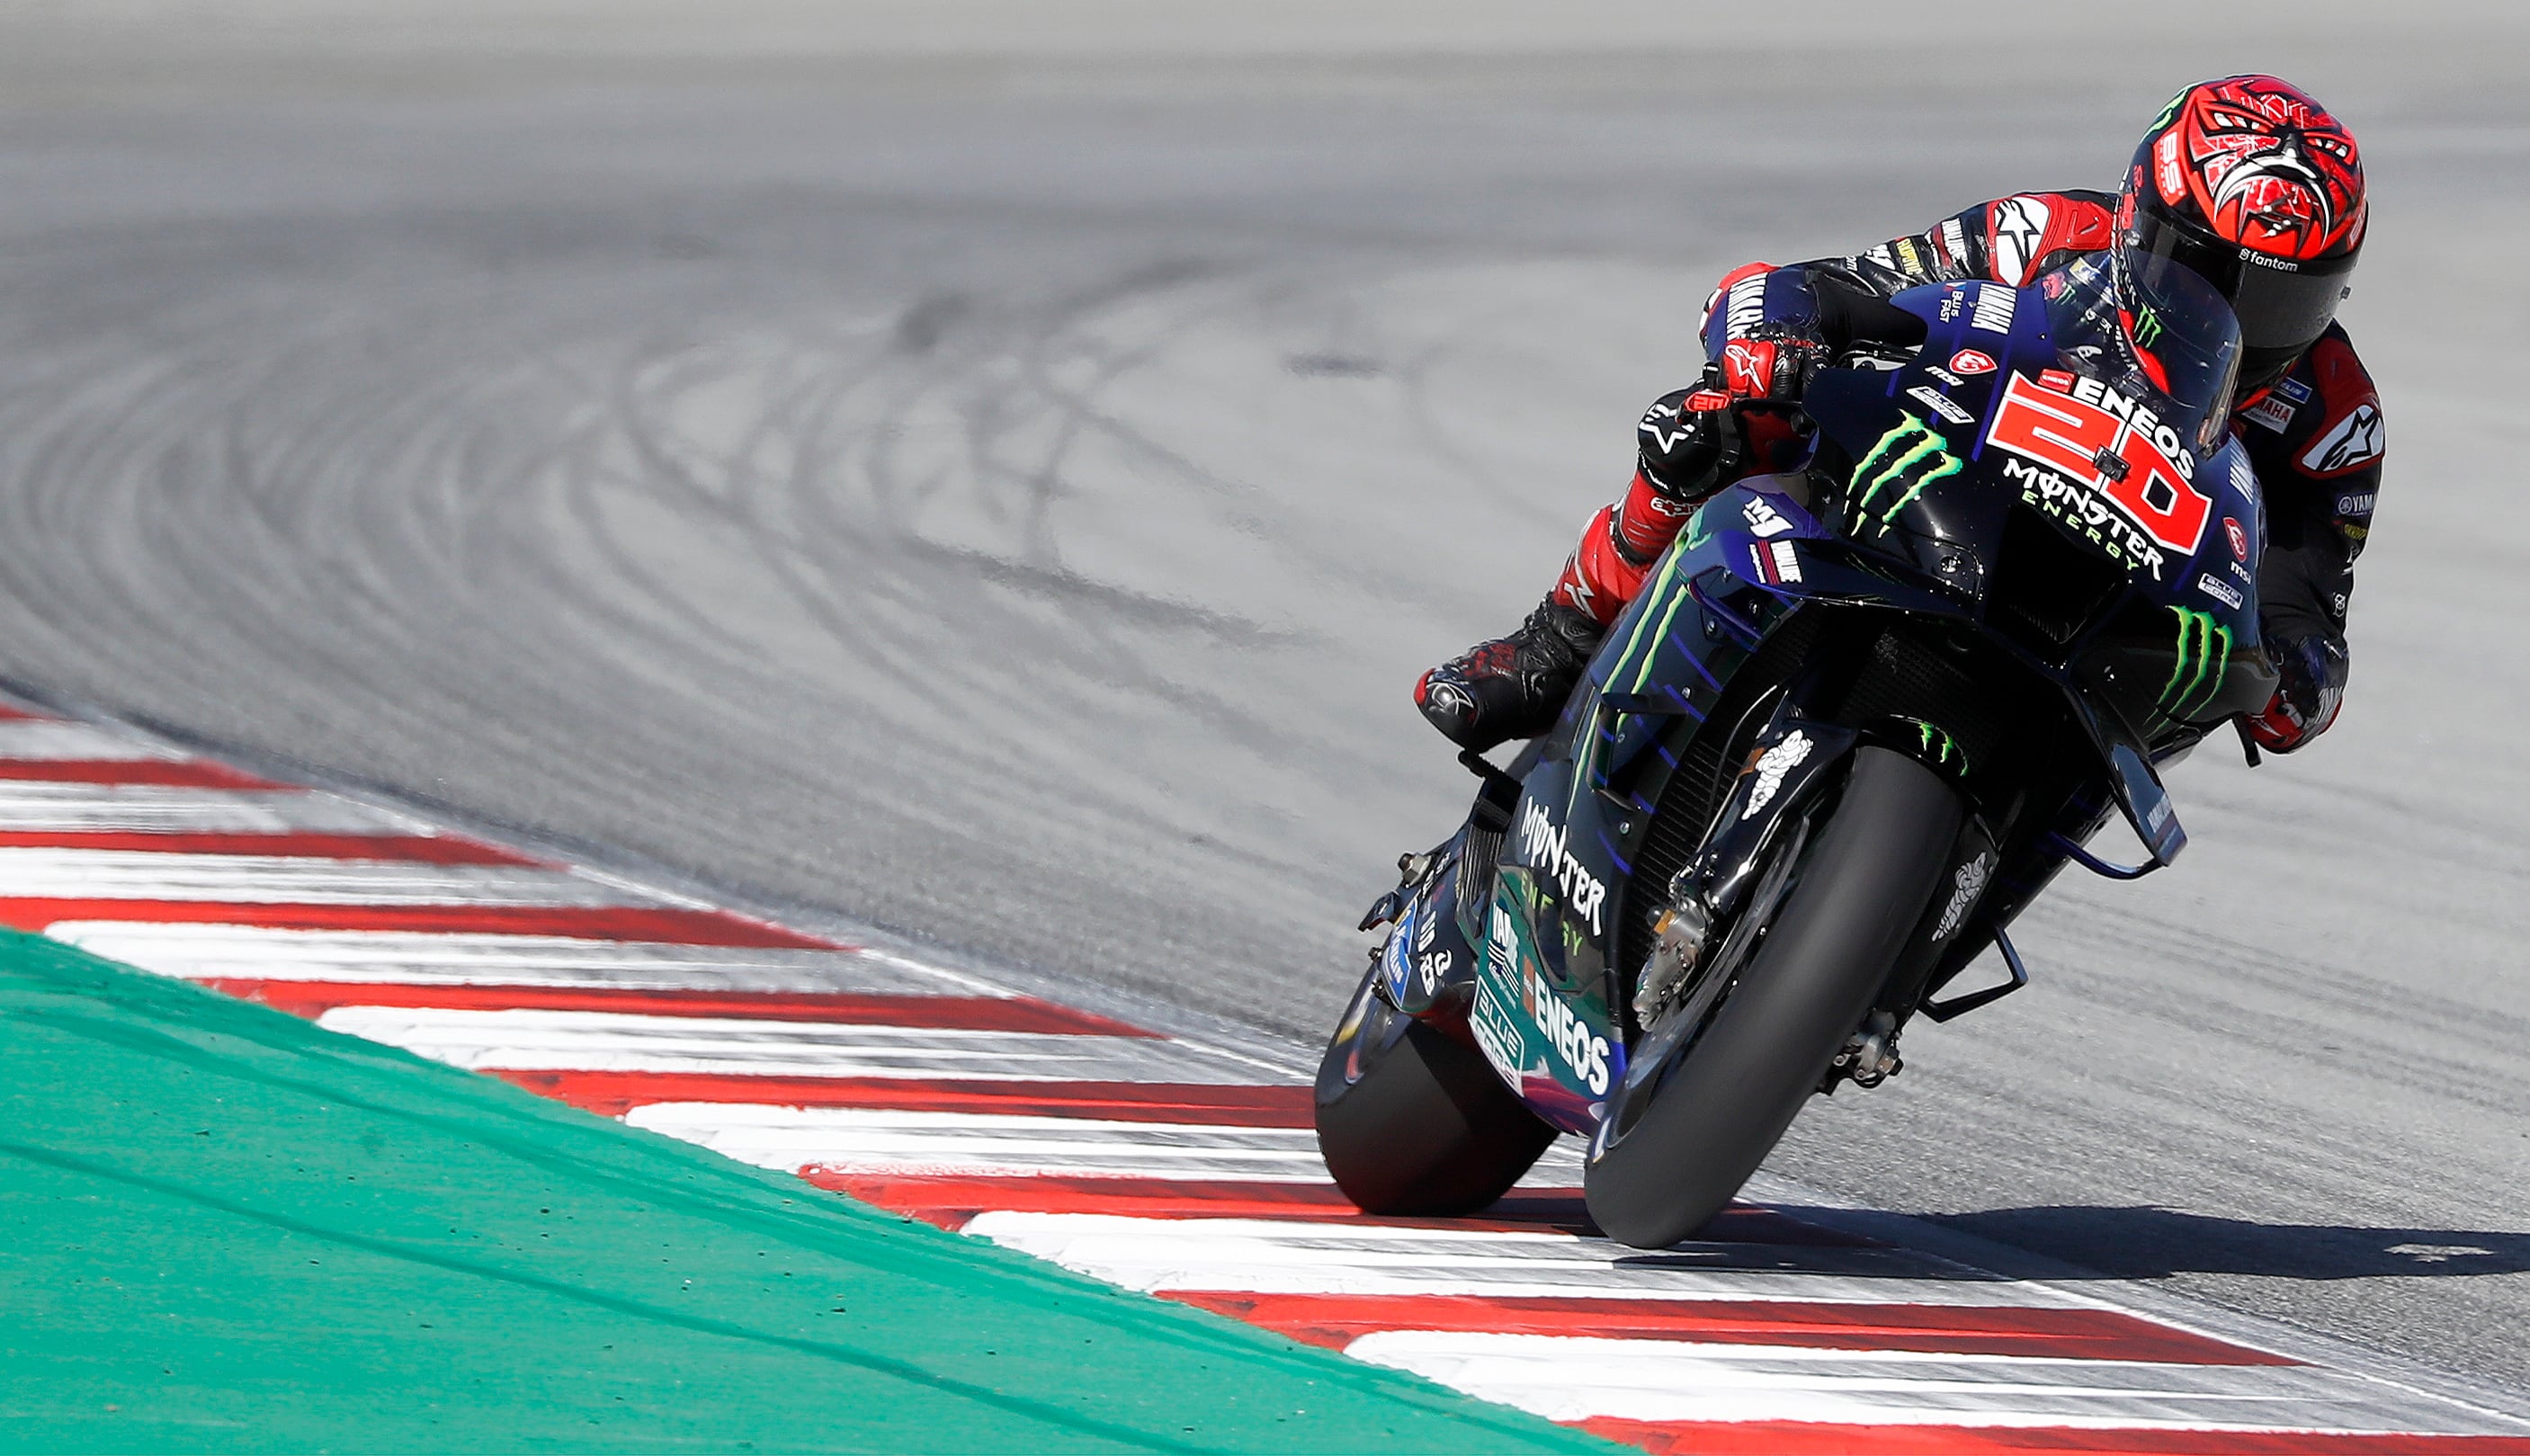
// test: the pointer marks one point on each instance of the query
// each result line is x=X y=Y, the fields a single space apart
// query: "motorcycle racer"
x=2245 y=180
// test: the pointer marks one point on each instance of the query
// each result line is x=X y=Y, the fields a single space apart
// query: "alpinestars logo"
x=1545 y=843
x=1908 y=457
x=2019 y=227
x=2203 y=653
x=2355 y=441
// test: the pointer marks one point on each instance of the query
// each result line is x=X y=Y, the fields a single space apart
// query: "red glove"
x=1771 y=363
x=2306 y=700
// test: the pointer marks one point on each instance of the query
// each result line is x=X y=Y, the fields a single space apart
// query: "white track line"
x=267 y=879
x=620 y=1042
x=411 y=959
x=966 y=1145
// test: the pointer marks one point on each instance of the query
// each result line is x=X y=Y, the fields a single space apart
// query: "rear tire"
x=1413 y=1122
x=1727 y=1099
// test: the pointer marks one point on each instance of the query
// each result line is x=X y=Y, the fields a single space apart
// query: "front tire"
x=1698 y=1127
x=1413 y=1122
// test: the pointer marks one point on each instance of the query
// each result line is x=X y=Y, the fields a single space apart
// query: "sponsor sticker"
x=1966 y=886
x=1788 y=564
x=2356 y=503
x=1774 y=563
x=1992 y=310
x=1939 y=403
x=2111 y=445
x=1746 y=307
x=1953 y=240
x=1772 y=766
x=1764 y=520
x=1583 y=1051
x=2293 y=389
x=2238 y=538
x=1545 y=845
x=2168 y=173
x=1972 y=361
x=2220 y=591
x=2274 y=413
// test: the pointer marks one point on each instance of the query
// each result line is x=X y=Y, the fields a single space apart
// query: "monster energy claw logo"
x=2148 y=328
x=1937 y=741
x=2204 y=652
x=1910 y=457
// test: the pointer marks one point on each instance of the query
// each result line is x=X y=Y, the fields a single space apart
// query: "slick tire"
x=1664 y=1166
x=1413 y=1122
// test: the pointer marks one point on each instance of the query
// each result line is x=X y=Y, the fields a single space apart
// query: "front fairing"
x=2143 y=587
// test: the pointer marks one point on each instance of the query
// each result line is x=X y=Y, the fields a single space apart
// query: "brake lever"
x=2248 y=744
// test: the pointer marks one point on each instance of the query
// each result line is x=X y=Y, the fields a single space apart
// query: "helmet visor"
x=2283 y=304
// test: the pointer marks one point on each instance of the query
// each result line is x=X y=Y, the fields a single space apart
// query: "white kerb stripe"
x=41 y=740
x=264 y=878
x=619 y=1042
x=253 y=952
x=1271 y=1257
x=158 y=809
x=1566 y=1377
x=972 y=1145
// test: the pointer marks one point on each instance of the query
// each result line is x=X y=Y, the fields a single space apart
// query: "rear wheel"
x=1692 y=1124
x=1411 y=1121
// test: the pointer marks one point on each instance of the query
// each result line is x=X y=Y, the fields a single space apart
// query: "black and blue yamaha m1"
x=1859 y=717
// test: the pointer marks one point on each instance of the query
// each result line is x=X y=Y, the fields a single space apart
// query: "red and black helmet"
x=2254 y=186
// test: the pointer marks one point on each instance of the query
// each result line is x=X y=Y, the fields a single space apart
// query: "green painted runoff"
x=224 y=1229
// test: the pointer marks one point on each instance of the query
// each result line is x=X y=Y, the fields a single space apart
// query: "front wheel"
x=1413 y=1122
x=1685 y=1134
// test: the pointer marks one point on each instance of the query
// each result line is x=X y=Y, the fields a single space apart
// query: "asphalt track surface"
x=993 y=479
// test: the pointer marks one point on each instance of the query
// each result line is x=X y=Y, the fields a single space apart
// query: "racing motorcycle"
x=1859 y=716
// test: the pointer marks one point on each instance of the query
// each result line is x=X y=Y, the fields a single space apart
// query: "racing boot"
x=1514 y=686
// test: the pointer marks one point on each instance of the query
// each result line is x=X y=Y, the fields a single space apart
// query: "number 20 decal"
x=2077 y=436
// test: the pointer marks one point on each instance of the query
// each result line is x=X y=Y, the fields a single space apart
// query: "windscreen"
x=2176 y=339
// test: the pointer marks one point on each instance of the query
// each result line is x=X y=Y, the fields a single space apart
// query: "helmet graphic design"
x=2258 y=190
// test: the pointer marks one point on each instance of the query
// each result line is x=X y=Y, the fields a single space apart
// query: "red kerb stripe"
x=165 y=773
x=613 y=1094
x=951 y=1201
x=582 y=923
x=421 y=848
x=1337 y=1321
x=1807 y=1439
x=313 y=998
